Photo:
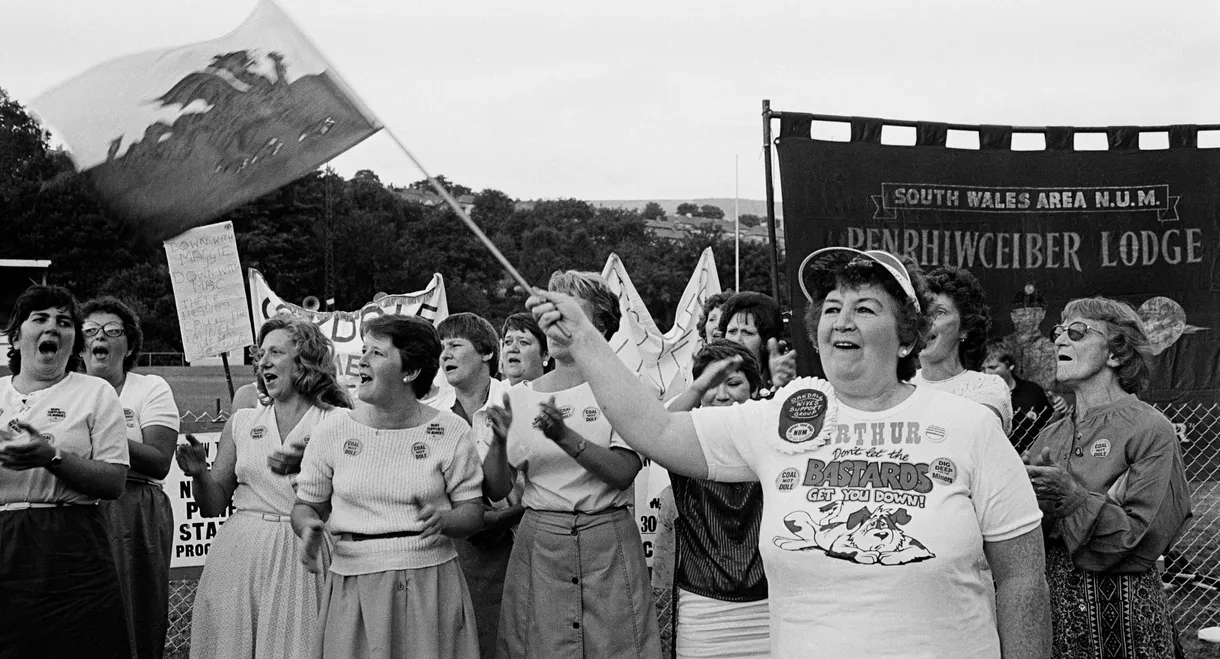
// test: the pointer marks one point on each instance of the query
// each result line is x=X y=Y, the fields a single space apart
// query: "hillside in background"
x=748 y=206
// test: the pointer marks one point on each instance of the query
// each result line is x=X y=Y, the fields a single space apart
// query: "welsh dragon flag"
x=173 y=138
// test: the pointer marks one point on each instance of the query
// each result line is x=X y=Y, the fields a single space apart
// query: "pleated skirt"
x=255 y=599
x=422 y=613
x=577 y=586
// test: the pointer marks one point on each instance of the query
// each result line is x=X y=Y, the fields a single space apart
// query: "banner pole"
x=224 y=359
x=736 y=224
x=766 y=115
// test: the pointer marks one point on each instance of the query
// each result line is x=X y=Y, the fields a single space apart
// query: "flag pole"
x=737 y=224
x=465 y=217
x=457 y=208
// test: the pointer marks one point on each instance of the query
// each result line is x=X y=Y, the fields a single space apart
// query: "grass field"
x=202 y=392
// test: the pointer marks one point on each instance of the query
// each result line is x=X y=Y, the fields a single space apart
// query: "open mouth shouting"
x=48 y=347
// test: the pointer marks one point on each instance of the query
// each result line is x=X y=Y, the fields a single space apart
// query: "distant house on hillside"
x=680 y=227
x=430 y=198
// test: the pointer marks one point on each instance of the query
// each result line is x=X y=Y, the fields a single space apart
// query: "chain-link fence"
x=1192 y=567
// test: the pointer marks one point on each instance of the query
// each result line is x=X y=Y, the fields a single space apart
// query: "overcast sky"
x=656 y=99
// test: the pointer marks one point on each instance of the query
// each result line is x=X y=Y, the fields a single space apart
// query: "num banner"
x=1038 y=228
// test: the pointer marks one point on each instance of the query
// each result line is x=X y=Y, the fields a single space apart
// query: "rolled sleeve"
x=464 y=471
x=108 y=429
x=315 y=482
x=1004 y=499
x=724 y=434
x=159 y=408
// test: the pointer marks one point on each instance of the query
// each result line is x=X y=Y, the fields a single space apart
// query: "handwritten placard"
x=208 y=289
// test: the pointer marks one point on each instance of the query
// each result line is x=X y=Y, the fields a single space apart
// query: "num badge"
x=806 y=416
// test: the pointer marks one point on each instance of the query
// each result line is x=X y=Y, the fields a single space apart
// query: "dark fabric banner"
x=1038 y=228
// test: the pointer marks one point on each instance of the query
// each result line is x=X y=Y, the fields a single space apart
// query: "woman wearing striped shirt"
x=719 y=589
x=393 y=481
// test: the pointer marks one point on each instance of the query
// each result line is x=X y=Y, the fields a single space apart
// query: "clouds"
x=655 y=99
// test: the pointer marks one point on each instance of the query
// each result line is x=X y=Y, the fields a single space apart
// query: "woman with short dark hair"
x=524 y=356
x=577 y=582
x=254 y=598
x=1111 y=481
x=393 y=481
x=141 y=522
x=958 y=322
x=62 y=449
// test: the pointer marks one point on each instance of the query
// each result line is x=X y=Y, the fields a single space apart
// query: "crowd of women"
x=878 y=511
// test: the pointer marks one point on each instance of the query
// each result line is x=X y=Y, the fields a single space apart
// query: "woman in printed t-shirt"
x=958 y=323
x=140 y=523
x=1111 y=480
x=393 y=480
x=62 y=448
x=577 y=583
x=254 y=598
x=881 y=500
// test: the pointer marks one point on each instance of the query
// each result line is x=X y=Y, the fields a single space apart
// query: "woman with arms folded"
x=881 y=500
x=1110 y=479
x=577 y=583
x=62 y=448
x=255 y=599
x=393 y=480
x=141 y=522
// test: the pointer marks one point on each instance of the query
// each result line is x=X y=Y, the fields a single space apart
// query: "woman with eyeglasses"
x=254 y=598
x=141 y=522
x=62 y=449
x=1109 y=478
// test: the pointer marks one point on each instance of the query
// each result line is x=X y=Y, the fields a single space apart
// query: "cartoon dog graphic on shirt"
x=863 y=536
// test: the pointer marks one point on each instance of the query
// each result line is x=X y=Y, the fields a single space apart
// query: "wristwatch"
x=57 y=460
x=580 y=448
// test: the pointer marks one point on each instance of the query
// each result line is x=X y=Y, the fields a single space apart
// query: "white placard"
x=208 y=291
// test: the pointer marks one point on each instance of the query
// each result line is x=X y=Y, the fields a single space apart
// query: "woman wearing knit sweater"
x=393 y=481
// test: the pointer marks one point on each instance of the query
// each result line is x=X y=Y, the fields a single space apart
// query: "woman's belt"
x=358 y=537
x=26 y=505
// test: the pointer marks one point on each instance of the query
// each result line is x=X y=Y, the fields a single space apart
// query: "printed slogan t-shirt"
x=873 y=542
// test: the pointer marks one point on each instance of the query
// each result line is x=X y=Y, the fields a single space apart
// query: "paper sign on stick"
x=208 y=291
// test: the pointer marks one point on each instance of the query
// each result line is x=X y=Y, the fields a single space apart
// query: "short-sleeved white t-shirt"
x=147 y=401
x=553 y=479
x=873 y=541
x=81 y=416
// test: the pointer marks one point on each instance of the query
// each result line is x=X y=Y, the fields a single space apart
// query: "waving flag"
x=173 y=138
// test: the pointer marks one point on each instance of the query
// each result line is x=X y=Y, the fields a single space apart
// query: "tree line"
x=378 y=240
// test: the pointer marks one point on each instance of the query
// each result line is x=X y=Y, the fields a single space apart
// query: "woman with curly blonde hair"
x=255 y=598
